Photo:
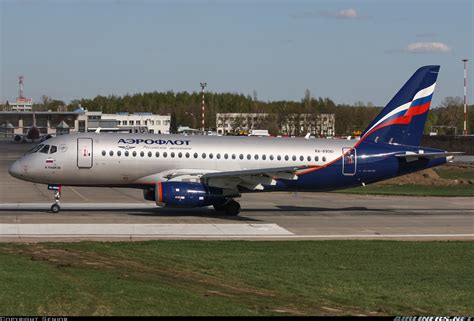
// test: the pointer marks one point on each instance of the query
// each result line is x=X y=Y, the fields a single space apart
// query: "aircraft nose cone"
x=14 y=169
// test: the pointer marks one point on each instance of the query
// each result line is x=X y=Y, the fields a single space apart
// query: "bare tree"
x=453 y=111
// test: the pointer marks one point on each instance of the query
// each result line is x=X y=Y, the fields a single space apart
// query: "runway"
x=122 y=214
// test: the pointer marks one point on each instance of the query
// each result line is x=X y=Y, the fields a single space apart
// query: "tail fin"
x=403 y=119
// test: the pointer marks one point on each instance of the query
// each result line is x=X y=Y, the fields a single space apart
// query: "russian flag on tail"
x=402 y=120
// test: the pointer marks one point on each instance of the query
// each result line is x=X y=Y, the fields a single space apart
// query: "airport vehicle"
x=259 y=132
x=196 y=171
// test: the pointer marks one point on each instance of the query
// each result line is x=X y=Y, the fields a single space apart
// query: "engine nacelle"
x=184 y=194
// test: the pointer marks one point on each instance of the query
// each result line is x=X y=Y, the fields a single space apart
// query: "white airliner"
x=195 y=171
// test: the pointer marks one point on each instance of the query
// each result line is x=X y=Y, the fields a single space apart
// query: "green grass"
x=454 y=173
x=412 y=190
x=237 y=278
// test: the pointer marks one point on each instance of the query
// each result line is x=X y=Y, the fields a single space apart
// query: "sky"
x=348 y=51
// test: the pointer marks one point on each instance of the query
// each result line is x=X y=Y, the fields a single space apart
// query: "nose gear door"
x=84 y=152
x=349 y=161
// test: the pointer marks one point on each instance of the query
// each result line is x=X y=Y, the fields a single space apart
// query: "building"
x=321 y=125
x=158 y=124
x=21 y=104
x=80 y=120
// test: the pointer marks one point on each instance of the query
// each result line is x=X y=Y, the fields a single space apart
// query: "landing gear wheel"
x=219 y=207
x=55 y=208
x=232 y=208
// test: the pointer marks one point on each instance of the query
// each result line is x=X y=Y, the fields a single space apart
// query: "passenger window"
x=127 y=153
x=142 y=154
x=301 y=158
x=203 y=155
x=134 y=154
x=293 y=158
x=309 y=158
x=103 y=153
x=241 y=156
x=44 y=149
x=218 y=156
x=119 y=153
x=249 y=156
x=157 y=154
x=264 y=157
x=233 y=156
x=111 y=153
x=150 y=154
x=187 y=155
x=172 y=155
x=256 y=157
x=226 y=156
x=286 y=157
x=316 y=158
x=53 y=149
x=195 y=155
x=165 y=154
x=324 y=158
x=279 y=157
x=211 y=156
x=271 y=157
x=180 y=155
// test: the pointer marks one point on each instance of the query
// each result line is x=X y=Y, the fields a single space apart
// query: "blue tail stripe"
x=422 y=101
x=406 y=131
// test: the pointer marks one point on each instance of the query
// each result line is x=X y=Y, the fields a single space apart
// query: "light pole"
x=465 y=96
x=203 y=85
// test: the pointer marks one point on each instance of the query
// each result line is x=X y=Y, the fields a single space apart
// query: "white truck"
x=259 y=132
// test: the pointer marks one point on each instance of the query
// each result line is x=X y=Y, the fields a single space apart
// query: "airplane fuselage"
x=141 y=160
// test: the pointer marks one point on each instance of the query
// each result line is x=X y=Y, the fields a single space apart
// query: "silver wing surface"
x=412 y=156
x=252 y=179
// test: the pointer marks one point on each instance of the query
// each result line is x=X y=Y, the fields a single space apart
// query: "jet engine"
x=184 y=194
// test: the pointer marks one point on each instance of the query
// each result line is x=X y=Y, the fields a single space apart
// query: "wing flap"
x=252 y=179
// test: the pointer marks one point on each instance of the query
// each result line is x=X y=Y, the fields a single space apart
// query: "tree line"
x=185 y=109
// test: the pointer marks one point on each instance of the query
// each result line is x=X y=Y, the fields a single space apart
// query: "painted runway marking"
x=151 y=205
x=140 y=230
x=78 y=194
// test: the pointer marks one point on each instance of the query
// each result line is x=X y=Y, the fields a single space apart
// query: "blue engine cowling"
x=184 y=194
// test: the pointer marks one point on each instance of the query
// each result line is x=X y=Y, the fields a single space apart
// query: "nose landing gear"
x=55 y=208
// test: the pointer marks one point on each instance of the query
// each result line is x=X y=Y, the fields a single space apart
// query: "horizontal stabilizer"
x=410 y=156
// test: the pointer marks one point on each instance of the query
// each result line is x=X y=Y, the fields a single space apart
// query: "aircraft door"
x=84 y=152
x=349 y=161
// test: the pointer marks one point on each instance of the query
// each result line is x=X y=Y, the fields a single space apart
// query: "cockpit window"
x=53 y=149
x=44 y=149
x=36 y=148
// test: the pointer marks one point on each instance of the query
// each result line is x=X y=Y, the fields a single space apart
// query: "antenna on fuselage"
x=97 y=131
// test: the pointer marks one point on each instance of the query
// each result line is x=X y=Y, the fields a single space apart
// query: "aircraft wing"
x=411 y=156
x=253 y=179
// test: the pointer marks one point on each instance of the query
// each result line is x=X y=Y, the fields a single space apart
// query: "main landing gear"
x=55 y=208
x=230 y=208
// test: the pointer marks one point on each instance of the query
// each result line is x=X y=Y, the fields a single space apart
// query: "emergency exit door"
x=349 y=161
x=84 y=152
